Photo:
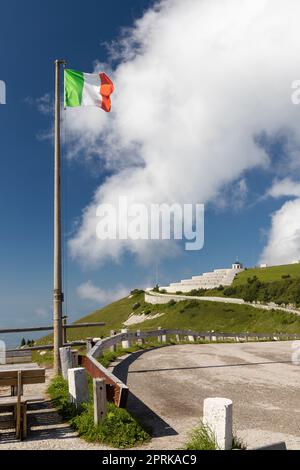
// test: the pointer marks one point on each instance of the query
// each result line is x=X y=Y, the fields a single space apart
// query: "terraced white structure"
x=210 y=280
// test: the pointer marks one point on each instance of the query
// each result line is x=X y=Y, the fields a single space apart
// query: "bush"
x=118 y=429
x=229 y=291
x=136 y=292
x=136 y=306
x=202 y=438
x=171 y=303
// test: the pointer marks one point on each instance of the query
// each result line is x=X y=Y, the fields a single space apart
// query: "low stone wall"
x=156 y=298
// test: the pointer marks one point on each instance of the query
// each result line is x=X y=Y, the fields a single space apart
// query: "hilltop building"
x=209 y=280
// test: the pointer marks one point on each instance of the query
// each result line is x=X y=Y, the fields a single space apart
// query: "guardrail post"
x=164 y=338
x=78 y=386
x=113 y=348
x=100 y=400
x=65 y=360
x=125 y=342
x=159 y=338
x=177 y=338
x=74 y=358
x=64 y=330
x=140 y=340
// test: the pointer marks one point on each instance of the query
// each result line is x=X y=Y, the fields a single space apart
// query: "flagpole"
x=58 y=294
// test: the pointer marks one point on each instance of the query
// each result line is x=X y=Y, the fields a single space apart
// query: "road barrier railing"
x=117 y=391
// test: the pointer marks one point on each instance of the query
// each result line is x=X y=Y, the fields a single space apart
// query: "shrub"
x=171 y=303
x=191 y=304
x=202 y=438
x=229 y=291
x=136 y=306
x=118 y=429
x=136 y=292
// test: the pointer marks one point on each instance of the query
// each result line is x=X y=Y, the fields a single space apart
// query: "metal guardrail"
x=105 y=343
x=47 y=347
x=49 y=328
x=117 y=391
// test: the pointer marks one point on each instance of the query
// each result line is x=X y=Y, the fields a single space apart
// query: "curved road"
x=168 y=386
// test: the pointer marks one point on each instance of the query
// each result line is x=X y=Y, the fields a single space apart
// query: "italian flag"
x=88 y=89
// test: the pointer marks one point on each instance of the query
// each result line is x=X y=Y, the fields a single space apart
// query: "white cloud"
x=44 y=103
x=88 y=291
x=284 y=187
x=197 y=81
x=283 y=244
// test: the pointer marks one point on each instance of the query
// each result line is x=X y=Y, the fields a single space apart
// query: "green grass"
x=188 y=314
x=118 y=429
x=202 y=438
x=110 y=356
x=269 y=274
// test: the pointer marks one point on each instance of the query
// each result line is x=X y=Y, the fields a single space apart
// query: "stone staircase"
x=209 y=280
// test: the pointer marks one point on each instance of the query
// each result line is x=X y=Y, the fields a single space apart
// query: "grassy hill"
x=189 y=314
x=269 y=274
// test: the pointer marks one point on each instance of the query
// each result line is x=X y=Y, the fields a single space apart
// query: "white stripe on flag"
x=91 y=90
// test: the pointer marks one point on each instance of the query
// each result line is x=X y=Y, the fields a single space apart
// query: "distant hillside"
x=198 y=315
x=269 y=274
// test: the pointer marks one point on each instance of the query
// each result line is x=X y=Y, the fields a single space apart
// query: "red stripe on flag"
x=106 y=89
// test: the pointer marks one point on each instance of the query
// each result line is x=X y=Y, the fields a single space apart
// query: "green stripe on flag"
x=73 y=87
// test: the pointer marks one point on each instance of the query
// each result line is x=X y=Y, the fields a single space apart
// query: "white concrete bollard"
x=100 y=400
x=191 y=339
x=159 y=338
x=177 y=338
x=2 y=352
x=113 y=348
x=78 y=386
x=217 y=416
x=125 y=342
x=140 y=341
x=65 y=360
x=164 y=338
x=89 y=344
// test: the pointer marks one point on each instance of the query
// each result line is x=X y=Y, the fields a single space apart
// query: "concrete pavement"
x=168 y=386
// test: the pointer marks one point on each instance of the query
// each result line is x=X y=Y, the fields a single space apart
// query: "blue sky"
x=32 y=35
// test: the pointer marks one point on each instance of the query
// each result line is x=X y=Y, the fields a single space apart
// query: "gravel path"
x=47 y=430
